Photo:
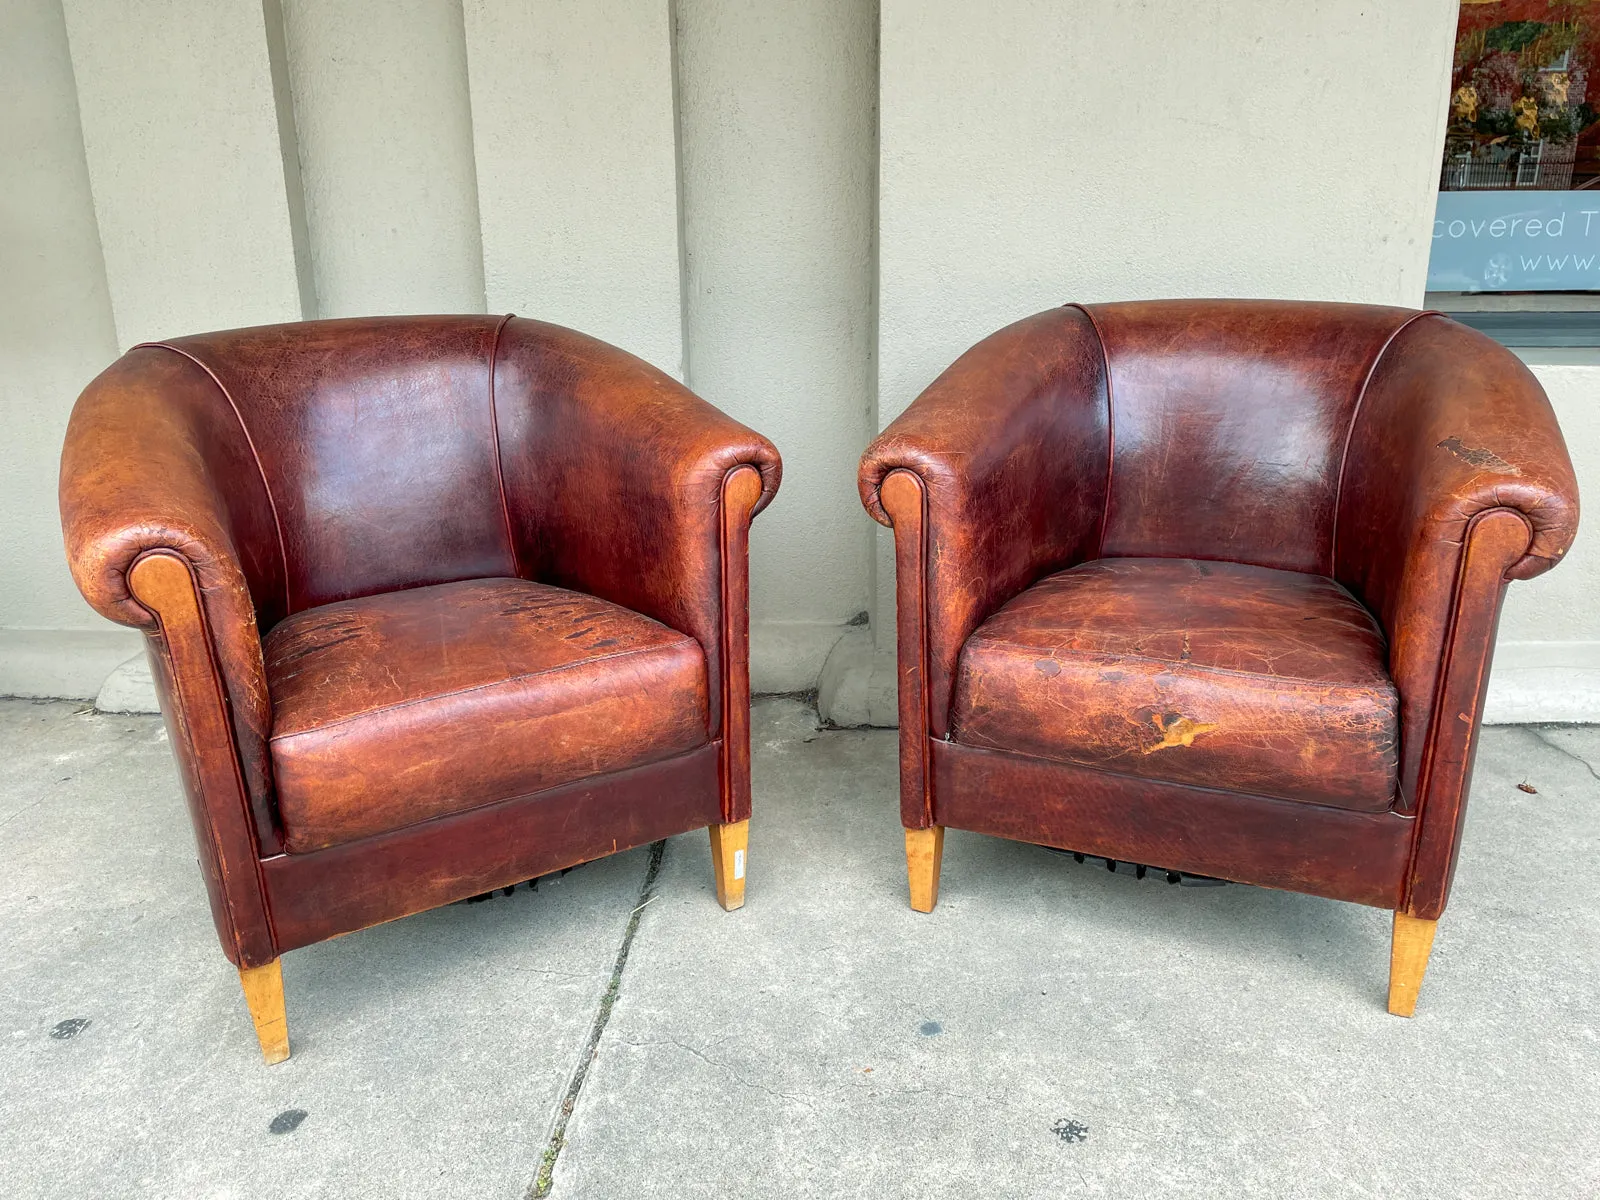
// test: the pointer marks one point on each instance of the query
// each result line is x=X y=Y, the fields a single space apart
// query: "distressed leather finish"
x=613 y=479
x=1012 y=442
x=1228 y=425
x=431 y=485
x=1380 y=465
x=396 y=708
x=1208 y=673
x=1452 y=428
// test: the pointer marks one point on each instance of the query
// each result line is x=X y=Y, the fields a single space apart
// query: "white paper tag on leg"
x=738 y=864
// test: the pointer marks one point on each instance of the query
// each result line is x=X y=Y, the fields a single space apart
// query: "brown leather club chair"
x=435 y=605
x=1212 y=586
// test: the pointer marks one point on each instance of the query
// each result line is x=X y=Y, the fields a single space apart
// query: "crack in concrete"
x=724 y=1067
x=545 y=1180
x=1560 y=749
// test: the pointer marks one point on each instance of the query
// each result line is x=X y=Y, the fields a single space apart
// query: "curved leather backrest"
x=374 y=443
x=1229 y=420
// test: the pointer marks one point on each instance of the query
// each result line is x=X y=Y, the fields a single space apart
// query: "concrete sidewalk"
x=1051 y=1030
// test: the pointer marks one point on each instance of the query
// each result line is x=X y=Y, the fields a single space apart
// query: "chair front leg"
x=1408 y=961
x=263 y=994
x=924 y=858
x=728 y=845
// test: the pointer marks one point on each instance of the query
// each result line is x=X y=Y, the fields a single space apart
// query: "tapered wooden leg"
x=728 y=845
x=263 y=992
x=924 y=857
x=1408 y=959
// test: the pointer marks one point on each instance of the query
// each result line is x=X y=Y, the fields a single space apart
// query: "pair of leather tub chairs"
x=436 y=605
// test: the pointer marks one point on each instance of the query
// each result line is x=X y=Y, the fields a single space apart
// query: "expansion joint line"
x=558 y=1135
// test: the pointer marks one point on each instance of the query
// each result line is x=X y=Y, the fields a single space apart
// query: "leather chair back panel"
x=375 y=439
x=1228 y=424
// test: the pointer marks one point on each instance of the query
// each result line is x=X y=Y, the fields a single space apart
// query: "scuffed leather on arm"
x=155 y=459
x=613 y=476
x=1012 y=446
x=1451 y=425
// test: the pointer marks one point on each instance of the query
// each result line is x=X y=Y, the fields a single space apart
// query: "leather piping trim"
x=724 y=586
x=1436 y=724
x=494 y=434
x=188 y=736
x=272 y=505
x=1111 y=426
x=684 y=640
x=924 y=718
x=1350 y=430
x=734 y=629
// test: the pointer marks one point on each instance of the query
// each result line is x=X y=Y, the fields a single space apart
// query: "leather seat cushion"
x=1208 y=673
x=395 y=708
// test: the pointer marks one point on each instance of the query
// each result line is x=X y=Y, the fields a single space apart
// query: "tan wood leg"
x=263 y=992
x=1408 y=959
x=728 y=846
x=924 y=857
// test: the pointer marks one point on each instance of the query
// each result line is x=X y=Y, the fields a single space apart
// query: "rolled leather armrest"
x=155 y=460
x=1451 y=427
x=1011 y=447
x=614 y=477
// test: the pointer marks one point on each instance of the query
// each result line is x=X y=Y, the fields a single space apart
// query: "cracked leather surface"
x=1209 y=673
x=392 y=709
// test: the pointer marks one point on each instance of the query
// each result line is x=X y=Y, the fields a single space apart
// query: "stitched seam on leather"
x=272 y=505
x=1350 y=430
x=479 y=687
x=494 y=433
x=1111 y=427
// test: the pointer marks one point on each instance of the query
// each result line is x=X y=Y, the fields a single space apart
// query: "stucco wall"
x=192 y=183
x=572 y=125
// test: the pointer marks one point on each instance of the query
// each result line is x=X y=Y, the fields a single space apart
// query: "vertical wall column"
x=572 y=120
x=55 y=333
x=779 y=156
x=189 y=141
x=384 y=128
